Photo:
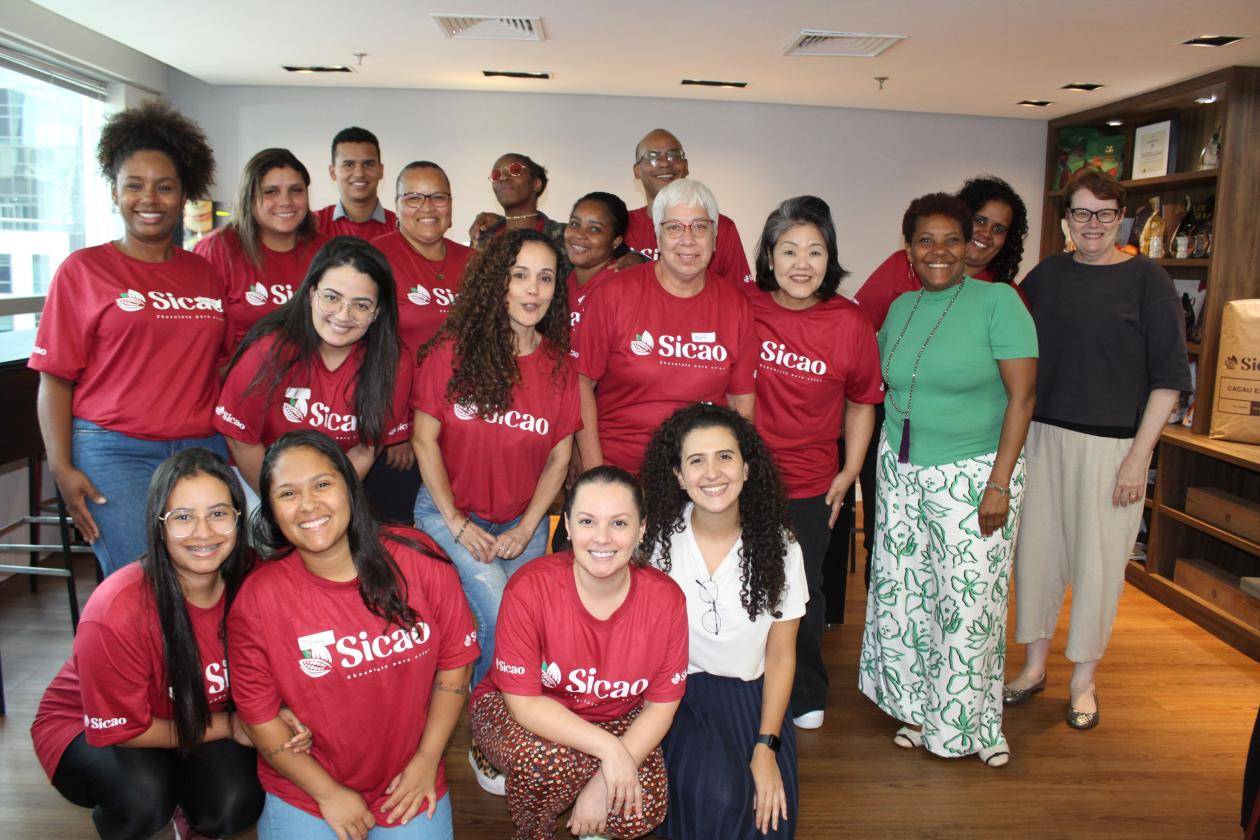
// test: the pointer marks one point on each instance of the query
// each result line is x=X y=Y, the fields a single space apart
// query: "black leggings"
x=133 y=792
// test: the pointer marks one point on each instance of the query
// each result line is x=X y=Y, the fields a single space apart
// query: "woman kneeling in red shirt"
x=136 y=722
x=365 y=633
x=589 y=666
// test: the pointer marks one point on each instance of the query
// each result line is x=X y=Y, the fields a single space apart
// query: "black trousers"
x=866 y=479
x=392 y=492
x=809 y=688
x=133 y=792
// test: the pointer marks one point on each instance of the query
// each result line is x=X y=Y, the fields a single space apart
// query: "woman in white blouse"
x=717 y=523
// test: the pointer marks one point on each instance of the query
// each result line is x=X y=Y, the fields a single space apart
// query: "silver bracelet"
x=1005 y=491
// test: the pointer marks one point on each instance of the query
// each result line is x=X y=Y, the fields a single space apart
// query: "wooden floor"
x=1177 y=710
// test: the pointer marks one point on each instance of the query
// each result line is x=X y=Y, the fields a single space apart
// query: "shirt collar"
x=378 y=215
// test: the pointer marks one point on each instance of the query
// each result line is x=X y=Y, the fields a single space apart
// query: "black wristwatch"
x=771 y=741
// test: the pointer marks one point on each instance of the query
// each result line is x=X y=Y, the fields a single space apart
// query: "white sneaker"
x=809 y=720
x=490 y=779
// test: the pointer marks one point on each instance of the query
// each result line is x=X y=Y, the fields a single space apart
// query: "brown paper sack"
x=1236 y=413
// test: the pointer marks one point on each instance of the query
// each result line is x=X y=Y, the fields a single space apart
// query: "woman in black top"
x=1113 y=359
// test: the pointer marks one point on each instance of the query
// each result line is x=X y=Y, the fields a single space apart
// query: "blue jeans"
x=282 y=821
x=483 y=582
x=120 y=467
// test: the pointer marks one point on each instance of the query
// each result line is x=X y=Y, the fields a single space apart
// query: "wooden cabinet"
x=1206 y=591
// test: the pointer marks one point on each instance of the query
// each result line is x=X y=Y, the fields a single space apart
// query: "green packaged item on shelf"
x=1074 y=151
x=1106 y=154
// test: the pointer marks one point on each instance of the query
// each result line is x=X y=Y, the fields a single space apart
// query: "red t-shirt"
x=300 y=641
x=310 y=396
x=811 y=361
x=494 y=464
x=140 y=340
x=255 y=290
x=426 y=289
x=345 y=226
x=548 y=645
x=653 y=353
x=114 y=683
x=579 y=296
x=729 y=259
x=894 y=277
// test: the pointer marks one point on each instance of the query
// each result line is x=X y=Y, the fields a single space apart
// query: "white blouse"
x=722 y=640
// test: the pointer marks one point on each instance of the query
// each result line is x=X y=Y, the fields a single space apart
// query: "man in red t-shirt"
x=659 y=160
x=356 y=169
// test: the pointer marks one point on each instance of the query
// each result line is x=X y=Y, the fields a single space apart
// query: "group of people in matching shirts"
x=400 y=415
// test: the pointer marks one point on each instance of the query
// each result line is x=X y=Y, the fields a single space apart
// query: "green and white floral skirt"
x=934 y=648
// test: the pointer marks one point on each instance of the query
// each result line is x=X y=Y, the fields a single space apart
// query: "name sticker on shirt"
x=704 y=338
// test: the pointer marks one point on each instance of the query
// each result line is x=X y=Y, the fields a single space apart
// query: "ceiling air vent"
x=845 y=44
x=491 y=27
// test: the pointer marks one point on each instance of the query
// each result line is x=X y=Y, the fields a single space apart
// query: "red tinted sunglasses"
x=513 y=169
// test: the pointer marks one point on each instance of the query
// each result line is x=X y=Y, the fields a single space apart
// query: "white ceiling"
x=977 y=57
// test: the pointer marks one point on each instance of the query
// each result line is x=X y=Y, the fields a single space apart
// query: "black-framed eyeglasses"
x=358 y=310
x=711 y=619
x=1105 y=216
x=181 y=522
x=415 y=200
x=655 y=158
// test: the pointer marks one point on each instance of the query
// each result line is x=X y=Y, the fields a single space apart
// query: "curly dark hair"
x=936 y=204
x=155 y=126
x=763 y=513
x=485 y=369
x=979 y=191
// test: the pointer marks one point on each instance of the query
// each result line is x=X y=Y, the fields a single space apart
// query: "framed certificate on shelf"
x=1154 y=146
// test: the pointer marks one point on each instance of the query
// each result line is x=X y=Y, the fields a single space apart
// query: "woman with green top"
x=959 y=359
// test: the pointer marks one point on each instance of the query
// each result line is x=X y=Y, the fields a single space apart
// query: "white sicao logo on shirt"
x=130 y=301
x=259 y=295
x=465 y=411
x=642 y=344
x=550 y=674
x=228 y=417
x=779 y=354
x=295 y=406
x=513 y=419
x=419 y=295
x=356 y=649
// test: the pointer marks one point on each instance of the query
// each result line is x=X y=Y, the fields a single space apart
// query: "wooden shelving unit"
x=1188 y=457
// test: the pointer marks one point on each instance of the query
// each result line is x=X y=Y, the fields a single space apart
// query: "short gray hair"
x=686 y=192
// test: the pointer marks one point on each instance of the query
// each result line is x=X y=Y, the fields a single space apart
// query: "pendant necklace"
x=440 y=270
x=903 y=453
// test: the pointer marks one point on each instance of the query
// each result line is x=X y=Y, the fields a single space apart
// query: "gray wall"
x=866 y=164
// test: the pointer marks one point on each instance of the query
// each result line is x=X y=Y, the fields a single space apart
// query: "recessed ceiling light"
x=317 y=68
x=1114 y=123
x=714 y=83
x=1213 y=40
x=1083 y=87
x=1034 y=103
x=516 y=74
x=1206 y=100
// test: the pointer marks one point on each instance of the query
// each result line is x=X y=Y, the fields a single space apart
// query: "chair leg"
x=71 y=591
x=32 y=508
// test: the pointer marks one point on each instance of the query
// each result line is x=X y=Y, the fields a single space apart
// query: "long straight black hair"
x=297 y=342
x=381 y=583
x=184 y=667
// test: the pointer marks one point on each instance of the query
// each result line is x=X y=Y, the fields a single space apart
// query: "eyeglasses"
x=415 y=200
x=330 y=303
x=673 y=229
x=711 y=620
x=1105 y=216
x=655 y=159
x=181 y=523
x=513 y=169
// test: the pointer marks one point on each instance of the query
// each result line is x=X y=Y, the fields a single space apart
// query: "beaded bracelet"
x=461 y=529
x=1005 y=491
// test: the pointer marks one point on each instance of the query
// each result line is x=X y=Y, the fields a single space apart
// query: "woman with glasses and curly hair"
x=263 y=253
x=328 y=359
x=362 y=630
x=137 y=724
x=114 y=399
x=718 y=524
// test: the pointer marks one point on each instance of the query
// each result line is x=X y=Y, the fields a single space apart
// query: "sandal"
x=908 y=739
x=995 y=756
